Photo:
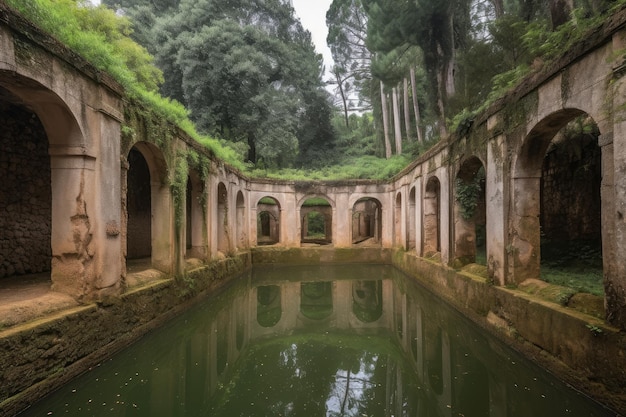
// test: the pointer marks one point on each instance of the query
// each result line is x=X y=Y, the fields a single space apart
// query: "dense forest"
x=243 y=77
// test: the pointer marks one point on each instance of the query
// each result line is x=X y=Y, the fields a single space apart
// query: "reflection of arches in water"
x=434 y=359
x=222 y=324
x=269 y=305
x=316 y=300
x=367 y=300
x=471 y=384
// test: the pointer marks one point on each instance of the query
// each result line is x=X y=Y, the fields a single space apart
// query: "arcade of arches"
x=81 y=197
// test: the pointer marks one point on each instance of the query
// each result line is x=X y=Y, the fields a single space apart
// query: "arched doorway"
x=139 y=207
x=268 y=221
x=398 y=221
x=223 y=238
x=149 y=221
x=240 y=222
x=25 y=191
x=366 y=222
x=411 y=231
x=470 y=213
x=557 y=225
x=196 y=228
x=316 y=221
x=432 y=218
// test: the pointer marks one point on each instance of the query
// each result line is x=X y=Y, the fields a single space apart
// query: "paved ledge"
x=49 y=349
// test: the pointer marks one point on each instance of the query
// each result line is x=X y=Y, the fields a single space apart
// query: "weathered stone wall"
x=548 y=333
x=571 y=190
x=25 y=193
x=38 y=358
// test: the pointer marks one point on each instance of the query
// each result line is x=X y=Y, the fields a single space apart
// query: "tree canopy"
x=247 y=71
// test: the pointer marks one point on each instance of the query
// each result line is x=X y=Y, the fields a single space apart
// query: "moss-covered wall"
x=39 y=356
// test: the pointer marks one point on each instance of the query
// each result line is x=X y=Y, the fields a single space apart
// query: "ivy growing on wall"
x=467 y=194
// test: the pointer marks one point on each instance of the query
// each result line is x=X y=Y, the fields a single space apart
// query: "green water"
x=346 y=340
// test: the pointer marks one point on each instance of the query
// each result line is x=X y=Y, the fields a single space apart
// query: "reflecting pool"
x=342 y=340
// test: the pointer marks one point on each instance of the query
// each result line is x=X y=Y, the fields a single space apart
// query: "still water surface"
x=346 y=340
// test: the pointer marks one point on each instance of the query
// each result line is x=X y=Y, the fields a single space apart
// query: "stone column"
x=74 y=216
x=495 y=212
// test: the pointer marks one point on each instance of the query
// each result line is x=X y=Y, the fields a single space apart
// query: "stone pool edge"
x=42 y=355
x=579 y=349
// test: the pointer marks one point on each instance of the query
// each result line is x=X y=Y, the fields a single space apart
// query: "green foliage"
x=467 y=193
x=573 y=264
x=597 y=331
x=365 y=167
x=178 y=187
x=315 y=201
x=247 y=71
x=103 y=38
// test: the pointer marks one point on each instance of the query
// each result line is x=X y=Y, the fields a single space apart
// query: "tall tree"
x=385 y=113
x=347 y=32
x=246 y=69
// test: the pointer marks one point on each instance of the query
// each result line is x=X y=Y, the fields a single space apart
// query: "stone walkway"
x=24 y=298
x=27 y=297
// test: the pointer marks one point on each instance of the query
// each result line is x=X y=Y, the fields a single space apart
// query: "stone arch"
x=241 y=234
x=367 y=221
x=397 y=223
x=411 y=220
x=432 y=217
x=268 y=221
x=196 y=229
x=316 y=220
x=148 y=208
x=223 y=236
x=531 y=179
x=470 y=213
x=65 y=186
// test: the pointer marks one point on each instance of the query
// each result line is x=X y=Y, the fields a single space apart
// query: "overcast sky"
x=312 y=14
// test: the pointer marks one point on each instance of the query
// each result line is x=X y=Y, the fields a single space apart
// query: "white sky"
x=312 y=14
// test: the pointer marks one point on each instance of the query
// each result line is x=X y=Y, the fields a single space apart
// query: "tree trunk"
x=407 y=111
x=416 y=108
x=251 y=148
x=344 y=99
x=560 y=12
x=396 y=121
x=383 y=106
x=498 y=7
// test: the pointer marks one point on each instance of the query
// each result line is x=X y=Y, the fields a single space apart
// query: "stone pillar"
x=523 y=248
x=495 y=213
x=162 y=227
x=419 y=235
x=342 y=215
x=74 y=216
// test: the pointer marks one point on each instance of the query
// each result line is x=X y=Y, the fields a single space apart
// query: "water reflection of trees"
x=388 y=349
